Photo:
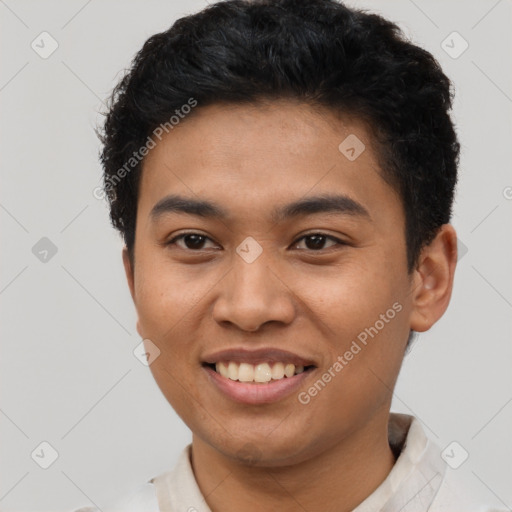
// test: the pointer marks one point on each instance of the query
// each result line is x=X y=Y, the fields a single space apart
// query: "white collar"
x=415 y=479
x=411 y=485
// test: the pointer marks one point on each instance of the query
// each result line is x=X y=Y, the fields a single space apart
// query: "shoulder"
x=179 y=483
x=459 y=494
x=141 y=499
x=424 y=481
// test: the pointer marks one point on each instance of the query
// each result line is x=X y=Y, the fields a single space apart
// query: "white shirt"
x=420 y=481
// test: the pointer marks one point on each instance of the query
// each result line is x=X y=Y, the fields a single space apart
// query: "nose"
x=253 y=294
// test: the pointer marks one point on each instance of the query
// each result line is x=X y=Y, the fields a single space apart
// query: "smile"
x=257 y=376
x=251 y=392
x=258 y=373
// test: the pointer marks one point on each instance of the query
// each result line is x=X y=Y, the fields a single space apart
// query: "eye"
x=192 y=241
x=196 y=241
x=316 y=241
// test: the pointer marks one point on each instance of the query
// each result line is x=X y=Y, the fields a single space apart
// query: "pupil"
x=312 y=241
x=197 y=241
x=318 y=241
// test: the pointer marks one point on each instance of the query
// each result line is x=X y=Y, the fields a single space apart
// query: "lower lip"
x=257 y=393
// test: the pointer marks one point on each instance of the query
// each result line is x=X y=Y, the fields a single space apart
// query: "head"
x=307 y=150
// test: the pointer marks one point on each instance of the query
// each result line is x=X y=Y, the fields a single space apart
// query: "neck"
x=337 y=479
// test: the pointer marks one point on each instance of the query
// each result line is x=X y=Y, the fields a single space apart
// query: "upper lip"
x=257 y=356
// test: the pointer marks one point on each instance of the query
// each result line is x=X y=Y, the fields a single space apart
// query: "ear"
x=432 y=282
x=128 y=269
x=130 y=277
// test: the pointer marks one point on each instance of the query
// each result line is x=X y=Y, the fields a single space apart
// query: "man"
x=283 y=174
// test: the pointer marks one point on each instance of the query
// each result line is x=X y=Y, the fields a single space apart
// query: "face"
x=251 y=280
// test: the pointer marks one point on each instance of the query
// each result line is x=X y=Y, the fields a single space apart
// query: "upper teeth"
x=263 y=372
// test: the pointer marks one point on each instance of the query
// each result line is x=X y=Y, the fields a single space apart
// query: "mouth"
x=257 y=376
x=261 y=373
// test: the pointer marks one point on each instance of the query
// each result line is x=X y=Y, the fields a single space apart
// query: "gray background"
x=68 y=374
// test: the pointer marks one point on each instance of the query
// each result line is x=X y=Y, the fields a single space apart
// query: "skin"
x=333 y=452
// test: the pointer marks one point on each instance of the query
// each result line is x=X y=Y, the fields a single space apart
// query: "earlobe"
x=431 y=287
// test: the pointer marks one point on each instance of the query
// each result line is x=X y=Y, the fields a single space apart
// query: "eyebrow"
x=325 y=203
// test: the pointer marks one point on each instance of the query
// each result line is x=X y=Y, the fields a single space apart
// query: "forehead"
x=249 y=156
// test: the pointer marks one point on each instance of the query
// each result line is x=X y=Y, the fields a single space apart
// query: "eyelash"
x=337 y=240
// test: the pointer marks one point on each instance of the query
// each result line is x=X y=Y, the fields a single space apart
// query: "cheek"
x=363 y=313
x=349 y=299
x=166 y=295
x=179 y=389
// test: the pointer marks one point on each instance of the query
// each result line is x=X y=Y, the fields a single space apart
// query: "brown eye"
x=191 y=241
x=316 y=241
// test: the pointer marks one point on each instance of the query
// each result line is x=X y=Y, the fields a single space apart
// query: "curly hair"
x=319 y=52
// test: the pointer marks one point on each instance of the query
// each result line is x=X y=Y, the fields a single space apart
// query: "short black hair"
x=320 y=52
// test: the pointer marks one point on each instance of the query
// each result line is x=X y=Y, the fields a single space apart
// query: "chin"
x=264 y=451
